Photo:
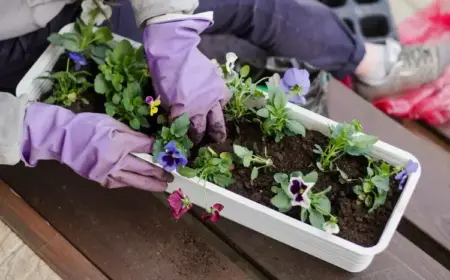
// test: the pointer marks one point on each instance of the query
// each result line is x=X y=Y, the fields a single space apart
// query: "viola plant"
x=374 y=188
x=247 y=158
x=402 y=175
x=84 y=41
x=177 y=133
x=295 y=190
x=344 y=139
x=277 y=121
x=68 y=87
x=245 y=97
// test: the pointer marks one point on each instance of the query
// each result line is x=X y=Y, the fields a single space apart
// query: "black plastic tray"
x=370 y=19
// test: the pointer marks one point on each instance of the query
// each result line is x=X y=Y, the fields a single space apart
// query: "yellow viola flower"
x=153 y=104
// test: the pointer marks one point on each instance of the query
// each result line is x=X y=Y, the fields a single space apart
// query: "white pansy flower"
x=90 y=8
x=331 y=227
x=231 y=59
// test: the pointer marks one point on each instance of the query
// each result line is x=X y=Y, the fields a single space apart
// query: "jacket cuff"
x=148 y=9
x=12 y=113
x=207 y=16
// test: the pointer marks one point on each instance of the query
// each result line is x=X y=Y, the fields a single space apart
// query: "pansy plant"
x=176 y=132
x=68 y=87
x=295 y=190
x=247 y=158
x=344 y=139
x=374 y=188
x=277 y=120
x=244 y=94
x=212 y=167
x=84 y=41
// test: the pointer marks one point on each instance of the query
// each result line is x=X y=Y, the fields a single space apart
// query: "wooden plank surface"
x=428 y=209
x=44 y=240
x=127 y=233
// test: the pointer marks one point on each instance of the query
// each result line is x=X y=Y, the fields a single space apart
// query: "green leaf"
x=144 y=121
x=246 y=161
x=358 y=189
x=319 y=165
x=342 y=173
x=187 y=172
x=311 y=177
x=316 y=219
x=263 y=112
x=324 y=204
x=122 y=49
x=135 y=124
x=296 y=127
x=180 y=126
x=127 y=104
x=304 y=214
x=368 y=201
x=254 y=175
x=242 y=152
x=367 y=187
x=50 y=100
x=56 y=39
x=275 y=189
x=245 y=70
x=364 y=140
x=143 y=110
x=165 y=134
x=116 y=99
x=110 y=109
x=379 y=200
x=279 y=100
x=103 y=35
x=214 y=161
x=281 y=201
x=158 y=147
x=281 y=178
x=222 y=180
x=100 y=84
x=137 y=101
x=382 y=183
x=161 y=119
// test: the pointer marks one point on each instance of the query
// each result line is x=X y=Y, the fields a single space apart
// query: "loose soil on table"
x=295 y=154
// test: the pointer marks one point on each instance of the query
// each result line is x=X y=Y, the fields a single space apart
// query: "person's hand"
x=95 y=146
x=186 y=80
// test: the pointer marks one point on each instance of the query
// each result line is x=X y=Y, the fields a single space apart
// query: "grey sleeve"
x=147 y=9
x=12 y=113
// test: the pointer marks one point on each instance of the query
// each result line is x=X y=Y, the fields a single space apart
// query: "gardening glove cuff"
x=12 y=111
x=95 y=146
x=185 y=79
x=148 y=9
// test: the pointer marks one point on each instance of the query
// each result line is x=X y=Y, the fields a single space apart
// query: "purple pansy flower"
x=299 y=192
x=296 y=84
x=410 y=168
x=79 y=59
x=171 y=158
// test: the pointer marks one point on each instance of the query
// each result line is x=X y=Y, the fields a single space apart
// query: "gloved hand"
x=184 y=78
x=95 y=146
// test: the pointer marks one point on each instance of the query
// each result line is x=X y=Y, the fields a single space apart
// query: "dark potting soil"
x=295 y=154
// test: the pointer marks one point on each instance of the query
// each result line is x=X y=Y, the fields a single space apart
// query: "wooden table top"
x=129 y=234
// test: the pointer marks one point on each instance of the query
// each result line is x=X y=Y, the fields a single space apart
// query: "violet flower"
x=298 y=191
x=79 y=59
x=213 y=214
x=171 y=158
x=179 y=203
x=296 y=84
x=410 y=168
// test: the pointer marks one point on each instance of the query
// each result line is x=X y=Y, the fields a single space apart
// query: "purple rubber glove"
x=184 y=78
x=95 y=146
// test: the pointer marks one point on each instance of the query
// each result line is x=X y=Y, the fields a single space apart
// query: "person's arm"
x=148 y=9
x=12 y=112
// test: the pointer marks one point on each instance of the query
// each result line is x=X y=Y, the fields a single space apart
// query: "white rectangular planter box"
x=292 y=232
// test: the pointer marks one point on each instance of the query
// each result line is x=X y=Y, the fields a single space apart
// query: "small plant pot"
x=299 y=235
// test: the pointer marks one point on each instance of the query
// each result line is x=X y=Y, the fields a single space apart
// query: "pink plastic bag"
x=430 y=102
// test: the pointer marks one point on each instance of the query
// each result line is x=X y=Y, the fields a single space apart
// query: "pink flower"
x=179 y=203
x=213 y=213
